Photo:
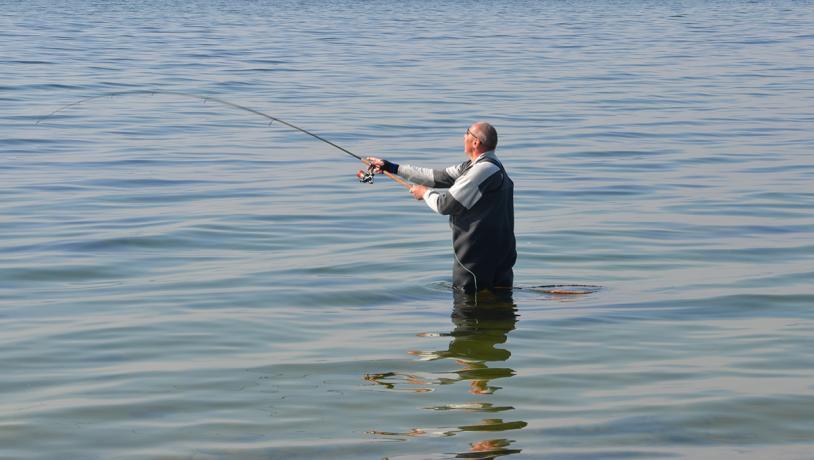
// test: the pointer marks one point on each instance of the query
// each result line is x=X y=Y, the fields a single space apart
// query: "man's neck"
x=474 y=155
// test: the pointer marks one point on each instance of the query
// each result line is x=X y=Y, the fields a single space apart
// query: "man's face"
x=470 y=140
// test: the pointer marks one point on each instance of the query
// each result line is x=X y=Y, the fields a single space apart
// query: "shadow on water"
x=479 y=327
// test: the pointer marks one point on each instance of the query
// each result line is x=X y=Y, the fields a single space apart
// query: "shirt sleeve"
x=465 y=192
x=431 y=198
x=439 y=178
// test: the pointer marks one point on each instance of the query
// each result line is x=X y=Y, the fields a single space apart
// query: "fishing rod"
x=364 y=176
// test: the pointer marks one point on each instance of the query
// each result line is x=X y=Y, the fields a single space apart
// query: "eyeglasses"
x=476 y=137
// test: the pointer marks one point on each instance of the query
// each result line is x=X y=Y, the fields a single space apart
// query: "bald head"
x=486 y=133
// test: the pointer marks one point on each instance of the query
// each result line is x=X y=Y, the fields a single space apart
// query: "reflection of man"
x=489 y=449
x=478 y=196
x=478 y=329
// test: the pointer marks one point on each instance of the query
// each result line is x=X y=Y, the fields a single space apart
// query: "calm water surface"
x=180 y=280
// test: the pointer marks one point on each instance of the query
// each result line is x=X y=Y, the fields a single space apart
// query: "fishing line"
x=363 y=176
x=474 y=278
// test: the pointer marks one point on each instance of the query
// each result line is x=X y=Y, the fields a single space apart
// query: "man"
x=478 y=196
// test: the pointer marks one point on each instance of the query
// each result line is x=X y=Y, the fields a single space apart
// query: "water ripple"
x=184 y=280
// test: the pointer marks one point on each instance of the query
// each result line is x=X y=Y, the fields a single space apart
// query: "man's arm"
x=439 y=178
x=464 y=193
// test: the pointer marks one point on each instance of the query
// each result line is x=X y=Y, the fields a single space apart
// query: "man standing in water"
x=478 y=196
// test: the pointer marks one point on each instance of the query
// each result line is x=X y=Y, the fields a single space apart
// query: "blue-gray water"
x=180 y=280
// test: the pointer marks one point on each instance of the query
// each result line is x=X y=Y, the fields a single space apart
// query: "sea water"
x=178 y=279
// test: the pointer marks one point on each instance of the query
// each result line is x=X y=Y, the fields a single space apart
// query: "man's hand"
x=418 y=191
x=383 y=165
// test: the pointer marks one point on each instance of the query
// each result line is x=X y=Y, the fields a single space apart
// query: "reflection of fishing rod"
x=364 y=176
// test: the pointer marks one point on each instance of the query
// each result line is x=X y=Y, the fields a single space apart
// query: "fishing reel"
x=366 y=177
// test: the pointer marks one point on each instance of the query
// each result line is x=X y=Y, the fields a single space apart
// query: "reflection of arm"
x=484 y=373
x=494 y=424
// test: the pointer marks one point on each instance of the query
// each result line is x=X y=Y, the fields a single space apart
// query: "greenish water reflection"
x=477 y=347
